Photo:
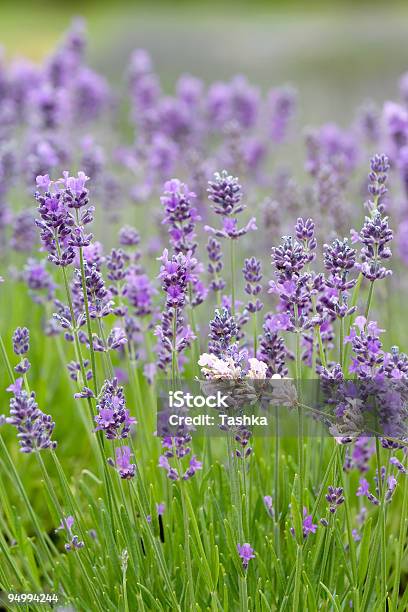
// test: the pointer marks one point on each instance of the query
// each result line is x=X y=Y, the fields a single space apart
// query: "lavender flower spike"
x=377 y=178
x=34 y=427
x=180 y=216
x=335 y=498
x=113 y=417
x=21 y=341
x=66 y=525
x=223 y=330
x=253 y=276
x=246 y=552
x=308 y=526
x=126 y=469
x=226 y=193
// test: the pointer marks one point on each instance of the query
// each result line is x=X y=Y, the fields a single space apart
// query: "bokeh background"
x=337 y=53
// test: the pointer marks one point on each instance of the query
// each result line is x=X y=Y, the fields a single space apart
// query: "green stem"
x=186 y=525
x=218 y=298
x=353 y=303
x=255 y=322
x=351 y=543
x=300 y=411
x=6 y=360
x=195 y=345
x=369 y=300
x=16 y=477
x=314 y=352
x=318 y=334
x=298 y=578
x=174 y=351
x=401 y=544
x=381 y=519
x=235 y=496
x=316 y=505
x=58 y=508
x=300 y=458
x=74 y=327
x=377 y=545
x=106 y=354
x=232 y=264
x=124 y=589
x=157 y=549
x=276 y=473
x=83 y=373
x=39 y=531
x=323 y=561
x=243 y=593
x=88 y=322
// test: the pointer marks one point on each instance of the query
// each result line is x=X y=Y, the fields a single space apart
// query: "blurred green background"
x=337 y=54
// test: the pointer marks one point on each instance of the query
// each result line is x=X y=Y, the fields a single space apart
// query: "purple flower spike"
x=139 y=291
x=22 y=367
x=116 y=264
x=246 y=552
x=375 y=233
x=180 y=216
x=164 y=463
x=34 y=427
x=269 y=505
x=367 y=348
x=160 y=508
x=282 y=106
x=129 y=236
x=377 y=178
x=193 y=467
x=272 y=349
x=16 y=386
x=113 y=417
x=66 y=523
x=231 y=230
x=175 y=274
x=215 y=265
x=335 y=498
x=391 y=485
x=74 y=542
x=223 y=330
x=305 y=233
x=64 y=213
x=226 y=193
x=339 y=256
x=308 y=526
x=363 y=488
x=125 y=468
x=39 y=281
x=397 y=463
x=24 y=233
x=21 y=341
x=253 y=276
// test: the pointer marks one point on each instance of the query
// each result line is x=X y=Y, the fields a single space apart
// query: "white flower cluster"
x=213 y=367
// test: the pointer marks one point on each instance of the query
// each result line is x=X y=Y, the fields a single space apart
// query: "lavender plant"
x=116 y=282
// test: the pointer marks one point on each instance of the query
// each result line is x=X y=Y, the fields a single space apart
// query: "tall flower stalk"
x=226 y=194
